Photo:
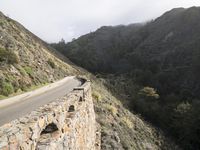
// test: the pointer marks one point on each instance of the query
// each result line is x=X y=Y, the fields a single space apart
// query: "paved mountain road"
x=31 y=101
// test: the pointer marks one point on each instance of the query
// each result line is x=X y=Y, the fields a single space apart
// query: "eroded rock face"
x=68 y=123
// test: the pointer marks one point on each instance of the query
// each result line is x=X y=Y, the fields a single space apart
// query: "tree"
x=149 y=92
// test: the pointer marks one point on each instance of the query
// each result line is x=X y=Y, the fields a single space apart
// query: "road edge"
x=24 y=96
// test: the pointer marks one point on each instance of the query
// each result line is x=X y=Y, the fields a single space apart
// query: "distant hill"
x=101 y=50
x=108 y=48
x=164 y=54
x=167 y=44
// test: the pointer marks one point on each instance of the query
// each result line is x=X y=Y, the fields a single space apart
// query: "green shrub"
x=111 y=109
x=1 y=23
x=8 y=56
x=51 y=63
x=183 y=107
x=7 y=88
x=28 y=70
x=96 y=96
x=149 y=92
x=127 y=122
x=2 y=97
x=22 y=71
x=12 y=58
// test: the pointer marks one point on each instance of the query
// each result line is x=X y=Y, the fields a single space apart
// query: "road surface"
x=32 y=100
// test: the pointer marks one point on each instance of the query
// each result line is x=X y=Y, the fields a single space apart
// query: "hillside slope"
x=154 y=66
x=122 y=129
x=25 y=60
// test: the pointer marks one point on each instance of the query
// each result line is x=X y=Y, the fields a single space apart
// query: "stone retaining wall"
x=66 y=124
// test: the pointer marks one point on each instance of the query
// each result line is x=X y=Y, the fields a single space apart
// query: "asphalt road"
x=29 y=104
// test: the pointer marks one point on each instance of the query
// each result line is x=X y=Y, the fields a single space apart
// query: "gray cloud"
x=52 y=20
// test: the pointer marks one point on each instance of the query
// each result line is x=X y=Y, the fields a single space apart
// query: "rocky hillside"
x=153 y=65
x=25 y=60
x=122 y=129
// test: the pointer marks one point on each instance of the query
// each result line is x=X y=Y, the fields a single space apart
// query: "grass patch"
x=8 y=56
x=51 y=63
x=20 y=91
x=127 y=122
x=96 y=96
x=28 y=70
x=2 y=97
x=7 y=88
x=22 y=71
x=111 y=109
x=1 y=23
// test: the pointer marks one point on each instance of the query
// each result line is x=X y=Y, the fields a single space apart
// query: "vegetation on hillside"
x=25 y=60
x=156 y=65
x=120 y=128
x=8 y=57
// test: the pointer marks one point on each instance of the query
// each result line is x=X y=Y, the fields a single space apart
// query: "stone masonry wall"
x=66 y=124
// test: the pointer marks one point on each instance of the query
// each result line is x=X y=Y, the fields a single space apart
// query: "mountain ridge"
x=153 y=67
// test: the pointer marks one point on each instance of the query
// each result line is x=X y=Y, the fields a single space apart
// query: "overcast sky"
x=52 y=20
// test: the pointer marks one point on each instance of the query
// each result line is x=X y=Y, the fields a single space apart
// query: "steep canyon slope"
x=153 y=66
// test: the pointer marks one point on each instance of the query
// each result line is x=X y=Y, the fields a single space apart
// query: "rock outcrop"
x=68 y=123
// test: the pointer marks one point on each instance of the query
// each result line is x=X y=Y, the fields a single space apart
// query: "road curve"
x=29 y=103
